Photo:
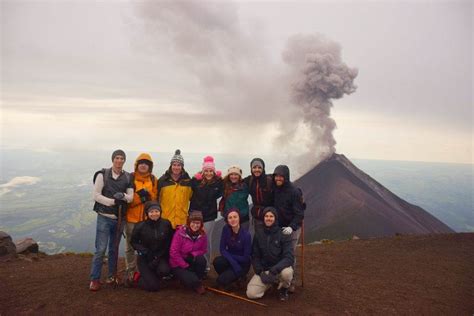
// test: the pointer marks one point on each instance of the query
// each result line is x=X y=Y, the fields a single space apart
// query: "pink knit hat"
x=208 y=163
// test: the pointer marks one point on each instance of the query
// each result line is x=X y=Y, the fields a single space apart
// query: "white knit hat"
x=234 y=169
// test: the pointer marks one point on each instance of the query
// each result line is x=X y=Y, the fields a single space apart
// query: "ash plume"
x=318 y=76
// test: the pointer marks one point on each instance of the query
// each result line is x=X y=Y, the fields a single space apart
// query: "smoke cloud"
x=318 y=77
x=238 y=79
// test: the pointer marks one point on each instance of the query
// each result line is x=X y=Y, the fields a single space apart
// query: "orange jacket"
x=149 y=182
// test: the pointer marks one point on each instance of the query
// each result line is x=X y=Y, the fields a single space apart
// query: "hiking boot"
x=94 y=286
x=283 y=294
x=200 y=290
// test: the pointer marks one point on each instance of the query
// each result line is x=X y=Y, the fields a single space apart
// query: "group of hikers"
x=168 y=224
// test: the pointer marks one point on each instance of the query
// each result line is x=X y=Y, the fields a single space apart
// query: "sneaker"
x=283 y=294
x=200 y=290
x=111 y=281
x=94 y=286
x=132 y=280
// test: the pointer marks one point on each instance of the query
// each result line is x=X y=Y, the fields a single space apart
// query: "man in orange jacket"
x=146 y=189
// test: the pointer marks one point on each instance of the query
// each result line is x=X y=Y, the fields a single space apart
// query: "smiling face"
x=195 y=226
x=118 y=162
x=233 y=219
x=176 y=168
x=208 y=174
x=279 y=180
x=257 y=171
x=269 y=219
x=143 y=167
x=154 y=214
x=234 y=178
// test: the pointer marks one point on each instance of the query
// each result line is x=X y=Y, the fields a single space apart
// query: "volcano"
x=343 y=201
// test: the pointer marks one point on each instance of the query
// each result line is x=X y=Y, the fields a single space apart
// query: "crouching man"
x=272 y=258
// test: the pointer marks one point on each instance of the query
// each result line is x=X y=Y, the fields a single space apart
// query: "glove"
x=189 y=259
x=144 y=195
x=268 y=278
x=119 y=196
x=287 y=230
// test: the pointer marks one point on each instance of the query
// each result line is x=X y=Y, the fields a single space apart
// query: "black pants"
x=191 y=276
x=226 y=273
x=150 y=275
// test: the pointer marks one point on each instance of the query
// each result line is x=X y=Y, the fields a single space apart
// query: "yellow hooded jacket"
x=175 y=197
x=149 y=182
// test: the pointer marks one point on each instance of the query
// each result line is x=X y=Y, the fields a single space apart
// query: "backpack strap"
x=103 y=172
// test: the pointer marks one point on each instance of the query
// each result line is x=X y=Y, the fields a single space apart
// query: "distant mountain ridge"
x=344 y=201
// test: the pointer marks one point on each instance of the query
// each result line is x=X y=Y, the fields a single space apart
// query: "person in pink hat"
x=207 y=188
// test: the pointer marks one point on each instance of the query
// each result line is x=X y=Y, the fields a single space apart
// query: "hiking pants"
x=226 y=274
x=191 y=276
x=105 y=236
x=130 y=258
x=256 y=288
x=209 y=228
x=150 y=276
x=295 y=236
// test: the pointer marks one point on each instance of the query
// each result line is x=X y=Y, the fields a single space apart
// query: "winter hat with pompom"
x=208 y=163
x=177 y=157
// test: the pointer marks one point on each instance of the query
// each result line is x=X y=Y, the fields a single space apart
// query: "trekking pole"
x=234 y=296
x=302 y=254
x=118 y=234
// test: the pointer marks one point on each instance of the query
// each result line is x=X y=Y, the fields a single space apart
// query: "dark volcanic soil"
x=401 y=275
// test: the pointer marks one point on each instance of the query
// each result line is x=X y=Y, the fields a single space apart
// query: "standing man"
x=113 y=189
x=261 y=189
x=175 y=191
x=288 y=201
x=146 y=189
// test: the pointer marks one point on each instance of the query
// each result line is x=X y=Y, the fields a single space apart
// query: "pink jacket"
x=183 y=246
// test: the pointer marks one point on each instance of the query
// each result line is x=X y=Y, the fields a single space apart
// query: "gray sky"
x=210 y=77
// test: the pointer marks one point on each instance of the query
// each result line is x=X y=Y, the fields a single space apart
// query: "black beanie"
x=152 y=205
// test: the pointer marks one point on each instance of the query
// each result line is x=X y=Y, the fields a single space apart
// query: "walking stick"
x=302 y=254
x=234 y=296
x=118 y=234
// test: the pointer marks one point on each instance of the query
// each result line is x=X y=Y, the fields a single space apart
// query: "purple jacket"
x=236 y=250
x=183 y=246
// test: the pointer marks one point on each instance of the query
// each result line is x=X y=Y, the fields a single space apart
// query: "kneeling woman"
x=152 y=239
x=187 y=252
x=236 y=247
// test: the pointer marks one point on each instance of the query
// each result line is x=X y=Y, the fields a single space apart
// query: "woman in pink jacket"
x=187 y=251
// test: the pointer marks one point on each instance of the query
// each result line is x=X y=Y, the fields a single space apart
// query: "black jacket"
x=271 y=250
x=261 y=191
x=153 y=238
x=288 y=201
x=205 y=197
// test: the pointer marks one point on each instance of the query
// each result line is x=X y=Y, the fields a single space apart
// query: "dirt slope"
x=430 y=274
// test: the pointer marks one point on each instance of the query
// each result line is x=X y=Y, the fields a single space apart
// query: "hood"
x=275 y=213
x=144 y=156
x=284 y=171
x=257 y=159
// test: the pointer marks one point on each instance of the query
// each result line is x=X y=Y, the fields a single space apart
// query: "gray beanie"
x=177 y=157
x=119 y=152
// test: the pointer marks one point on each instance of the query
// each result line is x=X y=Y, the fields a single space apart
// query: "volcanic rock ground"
x=428 y=274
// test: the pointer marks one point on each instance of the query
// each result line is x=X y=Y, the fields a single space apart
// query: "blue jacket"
x=236 y=248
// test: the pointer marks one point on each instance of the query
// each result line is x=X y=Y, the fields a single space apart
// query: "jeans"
x=106 y=234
